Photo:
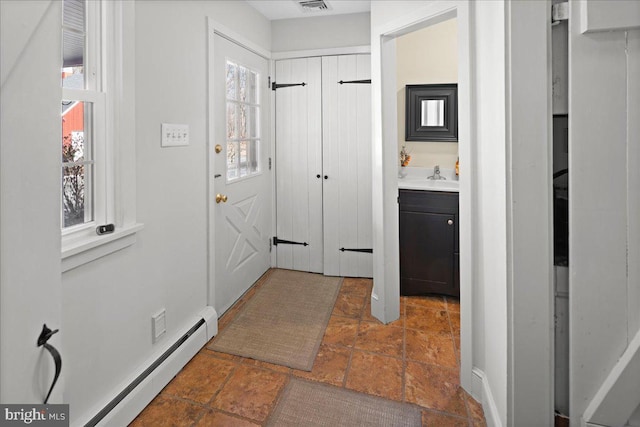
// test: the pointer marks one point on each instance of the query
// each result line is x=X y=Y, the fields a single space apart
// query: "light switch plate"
x=174 y=135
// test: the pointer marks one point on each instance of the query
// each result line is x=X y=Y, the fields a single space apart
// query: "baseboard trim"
x=130 y=399
x=482 y=392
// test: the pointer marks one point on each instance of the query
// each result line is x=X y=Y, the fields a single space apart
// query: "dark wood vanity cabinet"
x=429 y=252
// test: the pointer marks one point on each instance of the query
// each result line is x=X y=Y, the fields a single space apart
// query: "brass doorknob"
x=218 y=148
x=221 y=198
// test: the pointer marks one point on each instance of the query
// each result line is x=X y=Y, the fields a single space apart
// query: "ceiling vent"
x=313 y=5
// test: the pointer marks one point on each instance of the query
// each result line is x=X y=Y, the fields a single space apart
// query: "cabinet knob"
x=450 y=222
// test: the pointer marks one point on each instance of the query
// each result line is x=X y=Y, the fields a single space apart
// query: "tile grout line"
x=289 y=374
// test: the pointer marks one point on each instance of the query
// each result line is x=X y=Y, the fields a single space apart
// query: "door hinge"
x=275 y=85
x=559 y=12
x=269 y=82
x=269 y=163
x=367 y=81
x=270 y=245
x=365 y=251
x=277 y=241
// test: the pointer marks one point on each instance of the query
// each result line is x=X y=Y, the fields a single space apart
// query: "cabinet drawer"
x=428 y=201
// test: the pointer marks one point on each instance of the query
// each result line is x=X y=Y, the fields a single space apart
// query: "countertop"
x=415 y=178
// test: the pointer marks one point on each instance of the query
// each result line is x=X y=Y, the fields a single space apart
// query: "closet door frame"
x=275 y=56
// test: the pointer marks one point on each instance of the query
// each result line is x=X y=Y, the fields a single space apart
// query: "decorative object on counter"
x=405 y=158
x=431 y=113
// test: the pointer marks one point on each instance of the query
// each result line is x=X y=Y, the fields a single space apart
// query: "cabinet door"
x=346 y=117
x=427 y=245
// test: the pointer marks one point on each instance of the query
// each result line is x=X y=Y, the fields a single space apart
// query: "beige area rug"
x=284 y=322
x=305 y=403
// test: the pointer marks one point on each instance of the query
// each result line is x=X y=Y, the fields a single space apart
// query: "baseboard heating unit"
x=140 y=391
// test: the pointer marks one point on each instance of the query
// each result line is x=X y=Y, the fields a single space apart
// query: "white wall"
x=427 y=56
x=320 y=32
x=490 y=319
x=529 y=215
x=30 y=129
x=107 y=304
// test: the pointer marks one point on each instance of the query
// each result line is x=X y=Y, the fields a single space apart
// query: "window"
x=98 y=129
x=83 y=128
x=243 y=122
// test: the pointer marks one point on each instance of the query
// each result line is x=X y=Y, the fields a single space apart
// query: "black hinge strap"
x=367 y=251
x=355 y=81
x=42 y=342
x=276 y=241
x=275 y=86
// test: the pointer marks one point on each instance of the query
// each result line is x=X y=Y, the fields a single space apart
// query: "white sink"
x=413 y=178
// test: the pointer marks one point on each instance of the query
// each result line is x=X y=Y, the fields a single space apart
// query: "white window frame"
x=109 y=75
x=257 y=140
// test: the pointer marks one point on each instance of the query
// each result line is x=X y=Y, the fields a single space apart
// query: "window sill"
x=83 y=251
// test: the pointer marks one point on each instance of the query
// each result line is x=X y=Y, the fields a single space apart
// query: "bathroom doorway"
x=386 y=293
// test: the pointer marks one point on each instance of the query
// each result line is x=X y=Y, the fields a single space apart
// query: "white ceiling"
x=283 y=9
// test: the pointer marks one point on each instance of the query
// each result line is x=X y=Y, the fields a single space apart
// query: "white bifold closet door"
x=346 y=159
x=323 y=165
x=299 y=165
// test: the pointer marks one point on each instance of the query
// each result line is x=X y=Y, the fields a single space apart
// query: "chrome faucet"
x=436 y=174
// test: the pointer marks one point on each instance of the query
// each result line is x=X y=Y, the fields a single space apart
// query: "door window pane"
x=243 y=158
x=231 y=80
x=253 y=127
x=244 y=132
x=232 y=132
x=243 y=121
x=232 y=160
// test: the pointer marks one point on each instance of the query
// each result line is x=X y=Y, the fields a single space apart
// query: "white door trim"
x=333 y=51
x=385 y=300
x=214 y=28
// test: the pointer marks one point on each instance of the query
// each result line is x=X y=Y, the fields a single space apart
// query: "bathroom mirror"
x=431 y=112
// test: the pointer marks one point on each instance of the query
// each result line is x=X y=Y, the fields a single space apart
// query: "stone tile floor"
x=415 y=359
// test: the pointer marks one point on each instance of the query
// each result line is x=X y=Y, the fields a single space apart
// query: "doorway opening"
x=386 y=293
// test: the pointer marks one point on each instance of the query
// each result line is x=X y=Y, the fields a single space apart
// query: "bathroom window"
x=243 y=121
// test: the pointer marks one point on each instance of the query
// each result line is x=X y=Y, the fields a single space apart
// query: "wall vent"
x=313 y=5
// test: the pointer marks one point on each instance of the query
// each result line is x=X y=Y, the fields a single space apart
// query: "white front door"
x=241 y=193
